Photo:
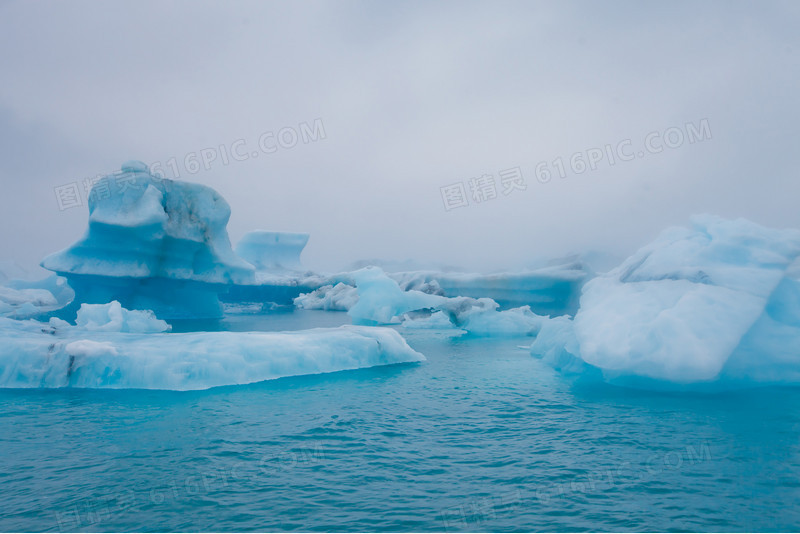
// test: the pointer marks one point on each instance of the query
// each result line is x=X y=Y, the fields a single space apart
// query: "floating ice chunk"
x=340 y=297
x=268 y=251
x=112 y=317
x=36 y=355
x=153 y=244
x=557 y=345
x=436 y=321
x=381 y=301
x=488 y=322
x=697 y=305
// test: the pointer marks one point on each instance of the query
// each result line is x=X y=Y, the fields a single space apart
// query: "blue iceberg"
x=272 y=251
x=154 y=244
x=718 y=302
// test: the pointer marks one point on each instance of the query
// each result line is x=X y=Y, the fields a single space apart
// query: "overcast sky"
x=411 y=97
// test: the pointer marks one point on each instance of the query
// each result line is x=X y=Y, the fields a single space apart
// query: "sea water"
x=481 y=437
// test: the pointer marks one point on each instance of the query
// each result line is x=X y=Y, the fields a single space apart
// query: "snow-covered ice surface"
x=41 y=355
x=717 y=302
x=153 y=244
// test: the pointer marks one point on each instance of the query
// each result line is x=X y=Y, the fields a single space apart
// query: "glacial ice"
x=279 y=287
x=55 y=355
x=489 y=322
x=382 y=301
x=153 y=244
x=279 y=276
x=23 y=303
x=713 y=302
x=24 y=299
x=112 y=317
x=553 y=290
x=340 y=297
x=271 y=251
x=438 y=320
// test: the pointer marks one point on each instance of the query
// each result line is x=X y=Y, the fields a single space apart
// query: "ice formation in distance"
x=153 y=244
x=279 y=275
x=553 y=290
x=272 y=251
x=340 y=297
x=23 y=299
x=719 y=301
x=382 y=301
x=437 y=320
x=41 y=355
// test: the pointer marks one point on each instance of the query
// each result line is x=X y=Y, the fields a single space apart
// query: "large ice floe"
x=153 y=244
x=116 y=348
x=717 y=303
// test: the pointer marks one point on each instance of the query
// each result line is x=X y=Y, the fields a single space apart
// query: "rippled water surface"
x=481 y=437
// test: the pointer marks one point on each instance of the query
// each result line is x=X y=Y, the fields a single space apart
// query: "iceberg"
x=382 y=301
x=716 y=302
x=23 y=303
x=112 y=317
x=488 y=321
x=553 y=290
x=23 y=299
x=271 y=251
x=57 y=355
x=279 y=287
x=438 y=320
x=153 y=244
x=279 y=276
x=340 y=297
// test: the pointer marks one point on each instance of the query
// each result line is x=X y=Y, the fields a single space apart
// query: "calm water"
x=482 y=437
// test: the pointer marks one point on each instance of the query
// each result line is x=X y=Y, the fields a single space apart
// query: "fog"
x=348 y=119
